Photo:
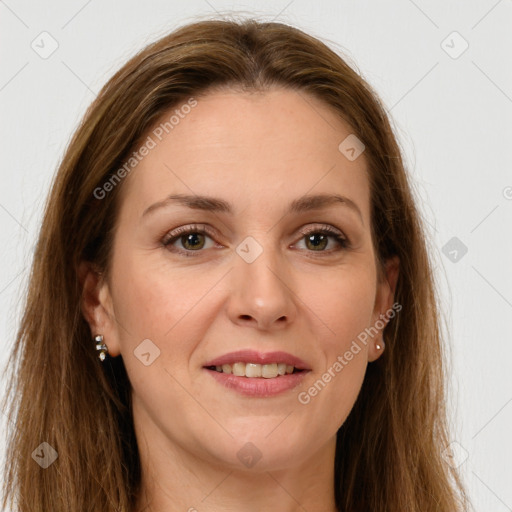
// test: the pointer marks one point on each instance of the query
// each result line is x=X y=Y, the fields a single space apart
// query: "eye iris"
x=185 y=239
x=321 y=243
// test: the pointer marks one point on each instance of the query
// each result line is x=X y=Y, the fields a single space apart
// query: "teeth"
x=226 y=368
x=239 y=369
x=267 y=371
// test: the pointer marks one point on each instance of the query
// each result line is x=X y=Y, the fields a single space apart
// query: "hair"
x=389 y=449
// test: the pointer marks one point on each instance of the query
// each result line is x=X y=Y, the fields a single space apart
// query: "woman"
x=231 y=303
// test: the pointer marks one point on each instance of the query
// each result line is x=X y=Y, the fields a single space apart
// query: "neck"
x=176 y=480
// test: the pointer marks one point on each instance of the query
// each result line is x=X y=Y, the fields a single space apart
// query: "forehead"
x=263 y=147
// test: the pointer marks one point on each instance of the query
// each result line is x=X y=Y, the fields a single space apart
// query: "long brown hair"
x=389 y=450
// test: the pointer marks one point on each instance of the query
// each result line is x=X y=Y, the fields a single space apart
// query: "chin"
x=258 y=453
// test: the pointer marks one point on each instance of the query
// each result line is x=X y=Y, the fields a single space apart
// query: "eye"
x=192 y=239
x=317 y=239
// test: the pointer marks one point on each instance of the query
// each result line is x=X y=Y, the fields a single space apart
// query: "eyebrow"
x=214 y=204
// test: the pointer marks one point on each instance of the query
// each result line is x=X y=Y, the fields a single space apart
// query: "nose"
x=262 y=292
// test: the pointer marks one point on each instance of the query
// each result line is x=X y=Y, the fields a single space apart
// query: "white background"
x=453 y=117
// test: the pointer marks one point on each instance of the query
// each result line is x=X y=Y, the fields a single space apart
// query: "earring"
x=378 y=346
x=101 y=347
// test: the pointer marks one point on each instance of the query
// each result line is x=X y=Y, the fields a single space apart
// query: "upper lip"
x=253 y=356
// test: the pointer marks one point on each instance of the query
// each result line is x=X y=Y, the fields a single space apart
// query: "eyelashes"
x=319 y=237
x=184 y=233
x=326 y=232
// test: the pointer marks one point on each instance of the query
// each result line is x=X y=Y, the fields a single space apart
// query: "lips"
x=256 y=374
x=255 y=357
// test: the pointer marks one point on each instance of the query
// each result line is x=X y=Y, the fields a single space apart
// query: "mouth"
x=255 y=370
x=257 y=374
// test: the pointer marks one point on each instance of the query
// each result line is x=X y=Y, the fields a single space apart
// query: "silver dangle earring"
x=101 y=347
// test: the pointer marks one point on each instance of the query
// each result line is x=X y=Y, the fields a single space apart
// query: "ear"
x=384 y=300
x=97 y=308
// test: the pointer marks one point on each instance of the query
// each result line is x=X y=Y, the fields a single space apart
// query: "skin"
x=259 y=152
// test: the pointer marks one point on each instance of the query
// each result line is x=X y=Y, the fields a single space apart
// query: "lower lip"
x=259 y=386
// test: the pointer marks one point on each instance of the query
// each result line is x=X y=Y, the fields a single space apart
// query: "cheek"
x=344 y=302
x=344 y=305
x=164 y=303
x=148 y=299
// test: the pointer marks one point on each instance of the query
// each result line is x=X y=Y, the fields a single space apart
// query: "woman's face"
x=257 y=280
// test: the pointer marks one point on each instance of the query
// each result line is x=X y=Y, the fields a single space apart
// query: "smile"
x=254 y=370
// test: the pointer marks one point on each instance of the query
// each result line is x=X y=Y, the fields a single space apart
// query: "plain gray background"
x=451 y=107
